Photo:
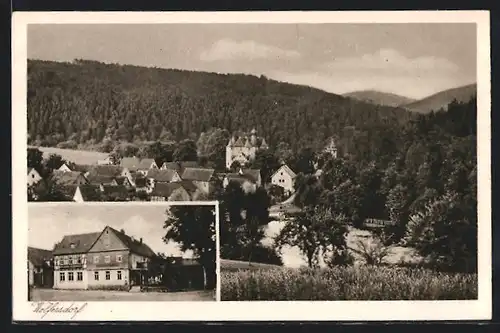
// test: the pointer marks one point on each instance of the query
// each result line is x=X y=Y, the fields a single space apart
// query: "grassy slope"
x=73 y=155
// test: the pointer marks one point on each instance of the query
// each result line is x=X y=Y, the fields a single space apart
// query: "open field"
x=234 y=265
x=73 y=155
x=346 y=283
x=115 y=296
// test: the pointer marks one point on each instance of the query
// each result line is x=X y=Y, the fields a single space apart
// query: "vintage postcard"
x=252 y=166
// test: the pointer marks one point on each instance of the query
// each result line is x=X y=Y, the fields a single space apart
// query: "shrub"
x=445 y=232
x=347 y=283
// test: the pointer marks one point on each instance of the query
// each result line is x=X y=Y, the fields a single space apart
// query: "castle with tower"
x=242 y=149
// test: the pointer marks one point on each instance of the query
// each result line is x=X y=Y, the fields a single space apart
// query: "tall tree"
x=316 y=232
x=185 y=151
x=193 y=227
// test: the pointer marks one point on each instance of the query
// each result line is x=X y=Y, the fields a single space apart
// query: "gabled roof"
x=166 y=189
x=106 y=170
x=90 y=192
x=254 y=173
x=81 y=243
x=39 y=256
x=97 y=179
x=240 y=178
x=145 y=163
x=198 y=174
x=32 y=169
x=180 y=166
x=287 y=169
x=81 y=167
x=131 y=163
x=68 y=177
x=161 y=175
x=189 y=186
x=121 y=180
x=114 y=189
x=133 y=245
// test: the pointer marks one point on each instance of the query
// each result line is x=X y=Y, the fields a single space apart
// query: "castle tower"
x=229 y=152
x=253 y=137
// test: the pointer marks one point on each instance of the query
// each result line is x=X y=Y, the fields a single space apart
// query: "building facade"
x=244 y=148
x=285 y=178
x=108 y=259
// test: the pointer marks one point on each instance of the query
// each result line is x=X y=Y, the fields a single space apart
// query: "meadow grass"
x=346 y=283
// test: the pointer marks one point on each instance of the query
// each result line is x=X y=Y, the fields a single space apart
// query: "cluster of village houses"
x=110 y=257
x=171 y=181
x=105 y=259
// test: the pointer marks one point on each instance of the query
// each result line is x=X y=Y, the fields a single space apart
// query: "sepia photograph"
x=255 y=158
x=125 y=252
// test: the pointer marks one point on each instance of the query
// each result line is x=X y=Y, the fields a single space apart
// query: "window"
x=61 y=262
x=107 y=259
x=79 y=260
x=96 y=276
x=70 y=261
x=96 y=259
x=70 y=276
x=65 y=261
x=79 y=276
x=118 y=258
x=108 y=275
x=62 y=277
x=119 y=275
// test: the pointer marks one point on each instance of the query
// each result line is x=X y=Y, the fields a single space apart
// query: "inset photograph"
x=121 y=252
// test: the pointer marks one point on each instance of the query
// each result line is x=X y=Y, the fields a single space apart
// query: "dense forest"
x=88 y=104
x=428 y=190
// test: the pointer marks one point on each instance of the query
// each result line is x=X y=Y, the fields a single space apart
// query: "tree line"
x=95 y=105
x=428 y=191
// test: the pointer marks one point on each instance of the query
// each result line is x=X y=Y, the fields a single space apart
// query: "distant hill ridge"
x=380 y=98
x=442 y=99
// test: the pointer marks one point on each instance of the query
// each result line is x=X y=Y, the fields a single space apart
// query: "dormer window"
x=72 y=245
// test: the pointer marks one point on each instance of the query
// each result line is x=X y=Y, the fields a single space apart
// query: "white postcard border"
x=269 y=311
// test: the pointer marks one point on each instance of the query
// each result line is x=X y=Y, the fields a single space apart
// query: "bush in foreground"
x=346 y=283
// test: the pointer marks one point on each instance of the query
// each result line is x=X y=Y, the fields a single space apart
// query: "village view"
x=343 y=161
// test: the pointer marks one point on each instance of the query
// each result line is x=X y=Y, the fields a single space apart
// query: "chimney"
x=140 y=240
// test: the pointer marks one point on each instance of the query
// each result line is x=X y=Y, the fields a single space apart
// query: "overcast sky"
x=48 y=225
x=414 y=60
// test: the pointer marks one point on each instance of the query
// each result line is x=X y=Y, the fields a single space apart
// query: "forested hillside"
x=84 y=102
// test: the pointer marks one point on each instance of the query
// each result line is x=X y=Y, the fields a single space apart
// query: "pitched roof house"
x=85 y=193
x=101 y=259
x=136 y=164
x=284 y=177
x=247 y=182
x=163 y=176
x=178 y=191
x=64 y=167
x=179 y=166
x=69 y=178
x=33 y=176
x=114 y=192
x=40 y=267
